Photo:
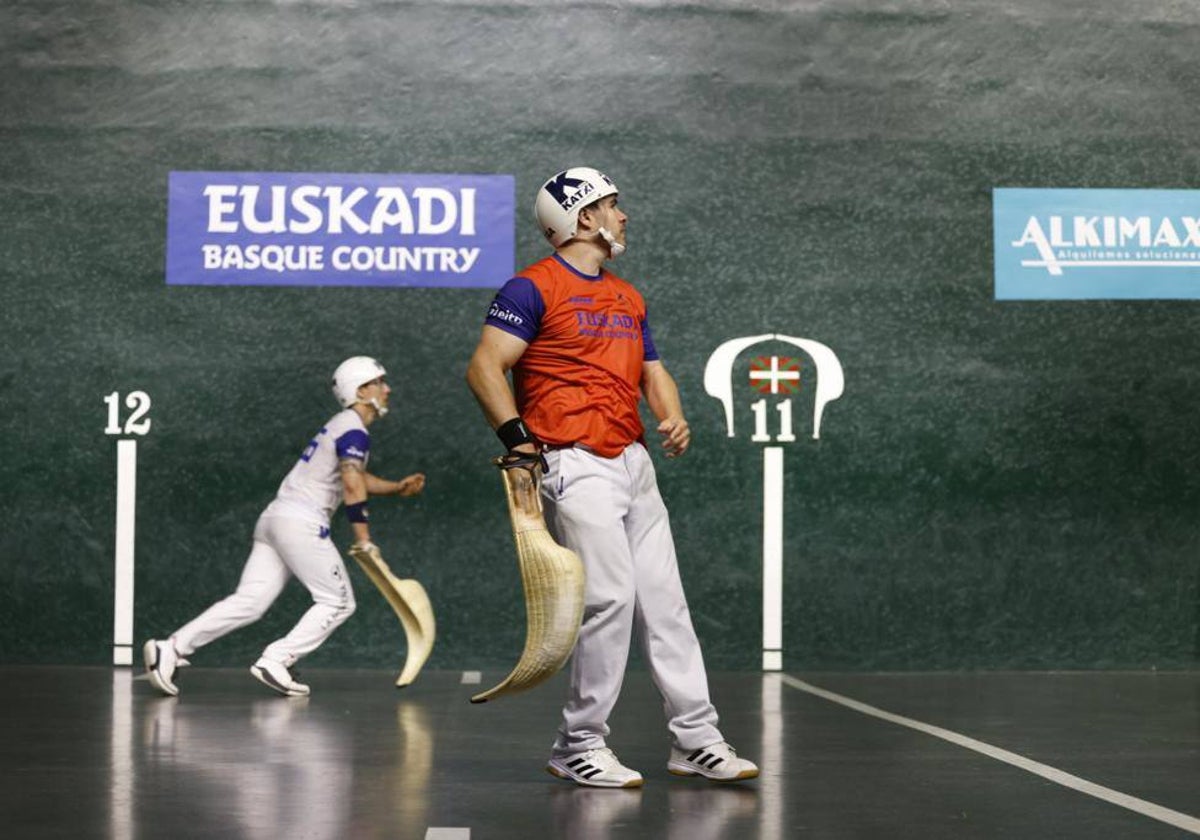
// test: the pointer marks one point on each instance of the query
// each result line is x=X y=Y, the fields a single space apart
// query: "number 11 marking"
x=760 y=422
x=718 y=383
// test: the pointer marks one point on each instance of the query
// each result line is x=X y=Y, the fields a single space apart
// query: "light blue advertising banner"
x=333 y=229
x=1096 y=244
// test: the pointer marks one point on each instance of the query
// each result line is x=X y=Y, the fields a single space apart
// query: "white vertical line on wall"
x=123 y=564
x=772 y=558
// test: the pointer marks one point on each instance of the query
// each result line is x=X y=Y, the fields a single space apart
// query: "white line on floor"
x=1141 y=806
x=448 y=834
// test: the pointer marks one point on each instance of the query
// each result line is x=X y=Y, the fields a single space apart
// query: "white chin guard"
x=615 y=248
x=379 y=409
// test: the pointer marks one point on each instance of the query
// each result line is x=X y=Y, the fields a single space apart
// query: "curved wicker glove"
x=552 y=576
x=411 y=603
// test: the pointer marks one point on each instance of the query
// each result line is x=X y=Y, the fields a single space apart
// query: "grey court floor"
x=94 y=752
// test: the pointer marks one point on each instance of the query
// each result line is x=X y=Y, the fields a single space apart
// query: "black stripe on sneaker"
x=705 y=759
x=575 y=763
x=589 y=772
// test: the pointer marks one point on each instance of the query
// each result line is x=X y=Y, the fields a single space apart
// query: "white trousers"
x=609 y=511
x=283 y=546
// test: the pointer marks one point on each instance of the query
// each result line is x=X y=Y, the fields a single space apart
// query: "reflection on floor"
x=94 y=752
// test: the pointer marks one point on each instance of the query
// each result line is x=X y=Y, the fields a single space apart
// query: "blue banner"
x=332 y=229
x=1053 y=244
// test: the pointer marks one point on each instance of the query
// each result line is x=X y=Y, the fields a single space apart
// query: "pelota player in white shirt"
x=292 y=537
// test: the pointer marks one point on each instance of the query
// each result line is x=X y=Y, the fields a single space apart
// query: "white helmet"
x=352 y=374
x=560 y=199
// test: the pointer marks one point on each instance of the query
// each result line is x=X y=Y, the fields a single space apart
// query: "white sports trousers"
x=609 y=511
x=283 y=546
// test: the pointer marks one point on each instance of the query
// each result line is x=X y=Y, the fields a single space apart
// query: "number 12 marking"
x=139 y=401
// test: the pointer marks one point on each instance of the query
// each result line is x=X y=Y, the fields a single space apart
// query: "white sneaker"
x=276 y=676
x=594 y=768
x=161 y=661
x=717 y=761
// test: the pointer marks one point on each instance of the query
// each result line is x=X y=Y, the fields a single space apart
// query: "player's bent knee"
x=342 y=610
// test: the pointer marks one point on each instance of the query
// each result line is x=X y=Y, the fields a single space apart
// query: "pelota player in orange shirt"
x=578 y=342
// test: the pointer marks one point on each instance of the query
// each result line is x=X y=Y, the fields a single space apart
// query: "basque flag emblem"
x=775 y=374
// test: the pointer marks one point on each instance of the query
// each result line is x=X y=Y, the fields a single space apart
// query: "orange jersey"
x=579 y=380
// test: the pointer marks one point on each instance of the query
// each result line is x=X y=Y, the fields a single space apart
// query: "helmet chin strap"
x=379 y=409
x=615 y=248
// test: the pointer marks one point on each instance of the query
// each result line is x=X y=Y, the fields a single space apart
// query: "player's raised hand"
x=410 y=485
x=676 y=435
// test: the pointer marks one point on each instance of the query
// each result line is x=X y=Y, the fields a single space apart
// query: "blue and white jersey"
x=314 y=486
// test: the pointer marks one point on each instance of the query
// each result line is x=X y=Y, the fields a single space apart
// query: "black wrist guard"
x=512 y=433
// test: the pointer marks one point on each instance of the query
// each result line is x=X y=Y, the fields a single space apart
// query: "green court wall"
x=1003 y=484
